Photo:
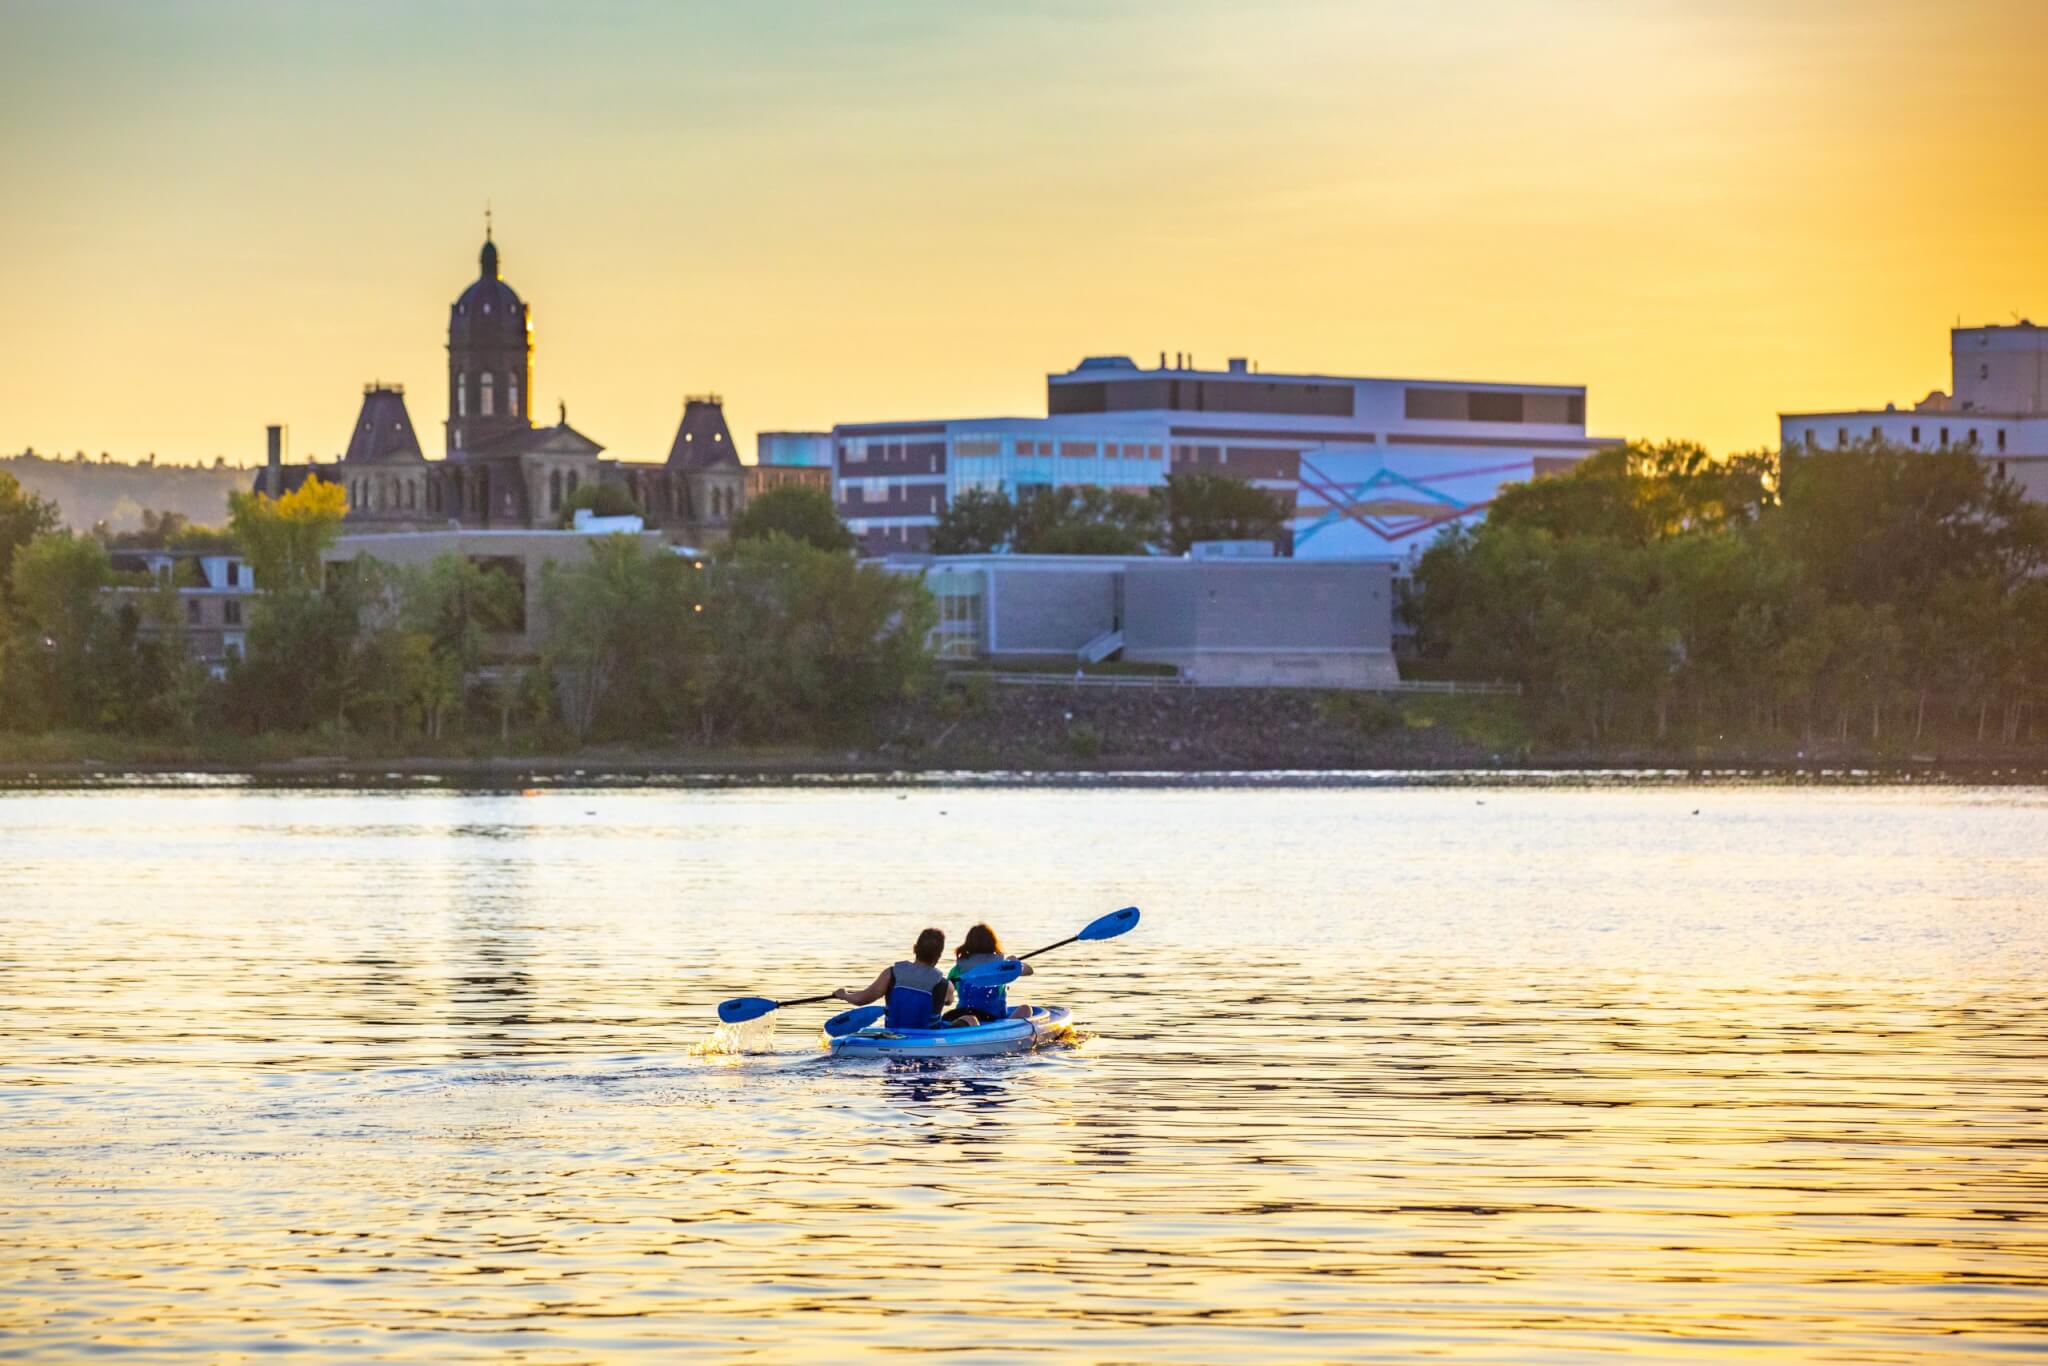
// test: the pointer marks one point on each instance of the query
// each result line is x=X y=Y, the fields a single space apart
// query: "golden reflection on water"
x=1384 y=1073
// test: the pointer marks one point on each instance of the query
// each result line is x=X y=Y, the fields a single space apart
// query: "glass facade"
x=1005 y=462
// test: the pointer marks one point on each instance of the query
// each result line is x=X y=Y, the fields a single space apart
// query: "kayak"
x=1044 y=1025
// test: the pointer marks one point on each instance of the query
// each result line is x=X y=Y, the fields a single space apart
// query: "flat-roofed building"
x=1371 y=467
x=1996 y=407
x=1224 y=621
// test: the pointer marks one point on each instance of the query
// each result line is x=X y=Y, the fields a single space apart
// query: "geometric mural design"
x=1354 y=497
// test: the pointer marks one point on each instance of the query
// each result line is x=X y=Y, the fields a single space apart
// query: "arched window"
x=512 y=397
x=461 y=394
x=456 y=440
x=572 y=481
x=555 y=491
x=485 y=405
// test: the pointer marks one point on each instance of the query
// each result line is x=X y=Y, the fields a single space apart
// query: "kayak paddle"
x=852 y=1021
x=1007 y=971
x=741 y=1009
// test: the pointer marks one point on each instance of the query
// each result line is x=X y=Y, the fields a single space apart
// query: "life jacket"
x=917 y=996
x=988 y=1000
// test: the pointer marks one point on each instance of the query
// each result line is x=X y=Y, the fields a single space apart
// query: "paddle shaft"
x=1048 y=948
x=808 y=1000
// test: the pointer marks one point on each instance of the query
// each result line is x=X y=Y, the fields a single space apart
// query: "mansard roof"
x=703 y=440
x=383 y=431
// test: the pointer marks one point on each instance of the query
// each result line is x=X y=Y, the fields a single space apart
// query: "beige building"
x=522 y=555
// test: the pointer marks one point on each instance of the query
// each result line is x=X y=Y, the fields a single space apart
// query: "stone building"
x=500 y=471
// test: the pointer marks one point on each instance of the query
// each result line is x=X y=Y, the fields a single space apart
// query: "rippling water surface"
x=1510 y=1075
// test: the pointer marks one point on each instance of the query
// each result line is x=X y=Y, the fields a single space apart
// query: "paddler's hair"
x=930 y=945
x=980 y=939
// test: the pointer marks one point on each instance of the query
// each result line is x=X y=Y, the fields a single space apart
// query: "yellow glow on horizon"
x=229 y=214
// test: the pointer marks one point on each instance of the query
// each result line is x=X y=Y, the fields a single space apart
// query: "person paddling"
x=979 y=947
x=914 y=993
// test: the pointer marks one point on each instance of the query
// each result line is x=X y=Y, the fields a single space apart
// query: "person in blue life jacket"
x=914 y=993
x=979 y=947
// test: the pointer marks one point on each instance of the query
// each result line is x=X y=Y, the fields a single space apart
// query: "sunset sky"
x=219 y=215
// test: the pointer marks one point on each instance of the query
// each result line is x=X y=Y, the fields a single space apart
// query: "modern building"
x=1996 y=406
x=811 y=450
x=498 y=470
x=1372 y=467
x=1228 y=621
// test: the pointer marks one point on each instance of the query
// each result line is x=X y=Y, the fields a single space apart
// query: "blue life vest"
x=988 y=1000
x=916 y=999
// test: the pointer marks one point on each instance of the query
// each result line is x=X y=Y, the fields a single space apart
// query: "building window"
x=512 y=397
x=1877 y=434
x=191 y=611
x=2001 y=438
x=572 y=483
x=1944 y=436
x=230 y=612
x=555 y=491
x=486 y=401
x=2001 y=469
x=456 y=439
x=1809 y=438
x=234 y=573
x=1841 y=433
x=461 y=394
x=1973 y=436
x=1916 y=436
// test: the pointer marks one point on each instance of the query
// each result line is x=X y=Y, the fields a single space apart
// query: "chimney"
x=1239 y=365
x=273 y=473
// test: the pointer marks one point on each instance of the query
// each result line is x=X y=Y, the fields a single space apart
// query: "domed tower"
x=490 y=361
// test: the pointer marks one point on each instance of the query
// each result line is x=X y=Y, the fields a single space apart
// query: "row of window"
x=230 y=612
x=1152 y=393
x=1842 y=439
x=486 y=396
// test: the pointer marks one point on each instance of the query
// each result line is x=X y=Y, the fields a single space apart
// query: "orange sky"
x=221 y=215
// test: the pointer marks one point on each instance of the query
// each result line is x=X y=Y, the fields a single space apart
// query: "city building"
x=811 y=450
x=1372 y=467
x=1996 y=406
x=215 y=591
x=497 y=469
x=522 y=554
x=1226 y=621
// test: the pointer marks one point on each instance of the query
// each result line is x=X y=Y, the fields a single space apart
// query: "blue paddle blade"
x=740 y=1009
x=997 y=974
x=1113 y=924
x=852 y=1021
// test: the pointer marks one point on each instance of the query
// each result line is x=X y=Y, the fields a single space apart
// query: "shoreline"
x=657 y=770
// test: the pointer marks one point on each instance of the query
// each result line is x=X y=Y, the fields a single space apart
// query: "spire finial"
x=487 y=220
x=562 y=406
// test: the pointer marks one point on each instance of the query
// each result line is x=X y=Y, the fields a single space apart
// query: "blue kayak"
x=1045 y=1024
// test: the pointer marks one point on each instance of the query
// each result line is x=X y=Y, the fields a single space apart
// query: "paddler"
x=914 y=993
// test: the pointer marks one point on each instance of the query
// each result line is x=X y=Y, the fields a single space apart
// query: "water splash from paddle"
x=749 y=1036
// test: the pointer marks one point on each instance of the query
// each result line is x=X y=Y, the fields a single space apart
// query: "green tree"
x=23 y=517
x=601 y=500
x=1212 y=507
x=1086 y=520
x=975 y=522
x=454 y=606
x=798 y=511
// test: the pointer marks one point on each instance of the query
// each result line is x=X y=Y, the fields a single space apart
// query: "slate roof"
x=489 y=312
x=383 y=431
x=703 y=440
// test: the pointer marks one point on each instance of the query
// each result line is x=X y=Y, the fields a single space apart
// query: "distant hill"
x=89 y=491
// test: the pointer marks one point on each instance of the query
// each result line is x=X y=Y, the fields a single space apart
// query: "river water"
x=1477 y=1073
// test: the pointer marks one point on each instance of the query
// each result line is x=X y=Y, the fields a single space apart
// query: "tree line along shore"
x=1653 y=605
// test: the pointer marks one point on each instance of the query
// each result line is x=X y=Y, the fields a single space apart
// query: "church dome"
x=488 y=313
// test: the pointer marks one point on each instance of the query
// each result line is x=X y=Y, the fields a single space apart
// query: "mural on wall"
x=1379 y=504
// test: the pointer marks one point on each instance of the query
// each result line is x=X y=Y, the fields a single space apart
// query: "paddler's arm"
x=875 y=991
